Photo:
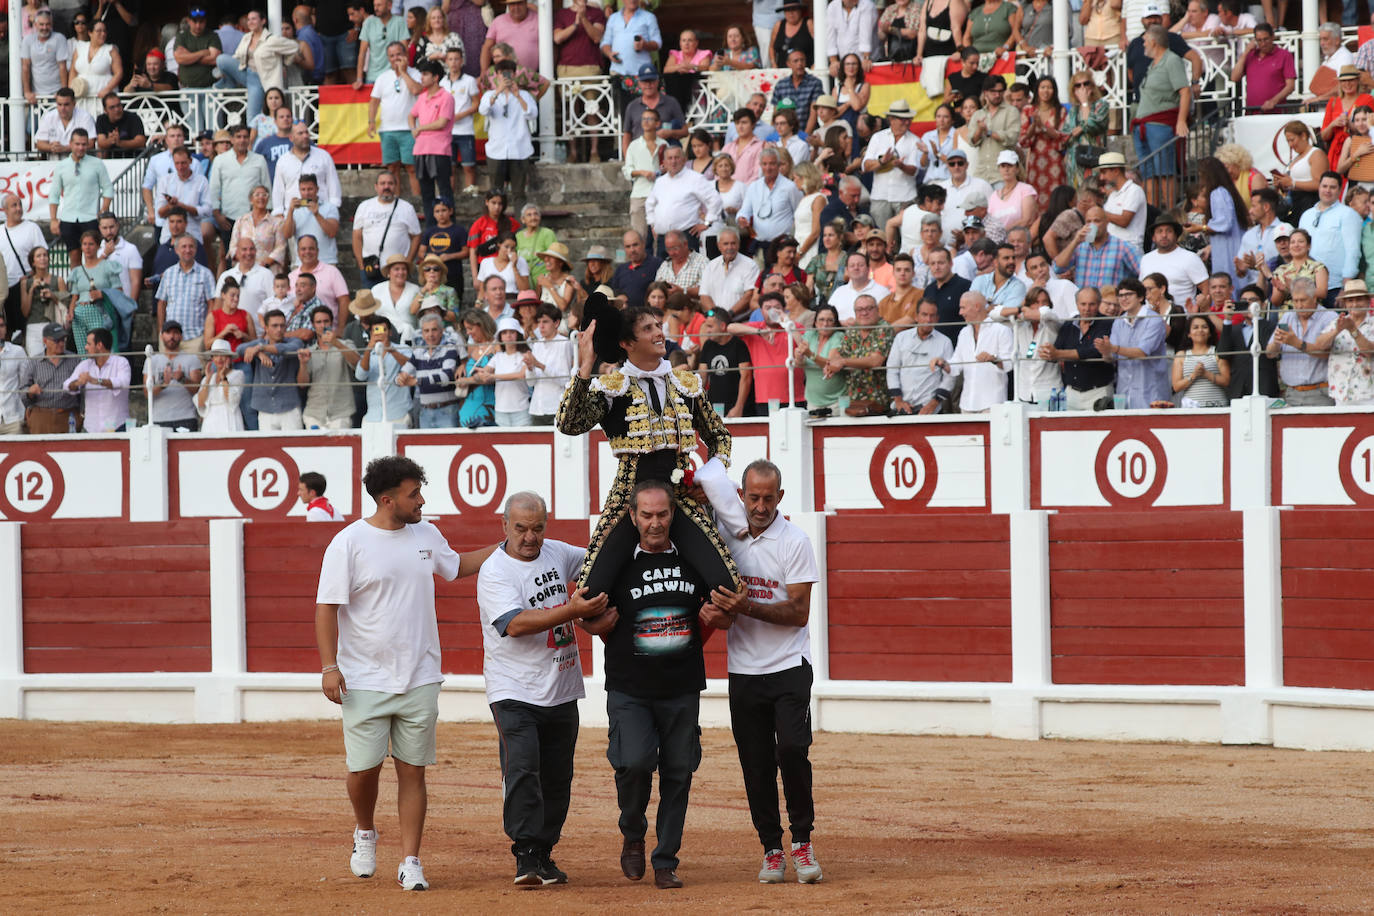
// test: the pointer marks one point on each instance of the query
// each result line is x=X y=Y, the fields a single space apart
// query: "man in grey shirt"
x=912 y=374
x=172 y=380
x=43 y=57
x=327 y=367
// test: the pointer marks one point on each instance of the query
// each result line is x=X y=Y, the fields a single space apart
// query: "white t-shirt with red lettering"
x=542 y=669
x=779 y=557
x=383 y=583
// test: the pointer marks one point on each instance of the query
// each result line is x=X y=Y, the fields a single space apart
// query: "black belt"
x=437 y=406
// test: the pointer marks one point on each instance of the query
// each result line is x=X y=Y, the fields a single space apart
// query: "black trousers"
x=537 y=745
x=770 y=716
x=646 y=735
x=70 y=233
x=436 y=180
x=15 y=321
x=514 y=172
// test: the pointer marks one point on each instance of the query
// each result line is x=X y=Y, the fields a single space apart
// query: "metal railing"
x=198 y=109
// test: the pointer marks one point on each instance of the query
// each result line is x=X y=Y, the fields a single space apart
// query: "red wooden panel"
x=1148 y=611
x=299 y=535
x=925 y=640
x=1127 y=669
x=933 y=555
x=936 y=612
x=907 y=583
x=1326 y=613
x=1354 y=552
x=1335 y=674
x=163 y=559
x=1186 y=585
x=1308 y=642
x=885 y=529
x=105 y=661
x=1321 y=524
x=63 y=610
x=127 y=635
x=1203 y=524
x=74 y=534
x=1149 y=641
x=715 y=651
x=1328 y=583
x=283 y=634
x=870 y=666
x=153 y=588
x=1146 y=555
x=460 y=661
x=294 y=660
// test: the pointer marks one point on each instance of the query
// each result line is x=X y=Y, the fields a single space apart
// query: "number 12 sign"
x=263 y=485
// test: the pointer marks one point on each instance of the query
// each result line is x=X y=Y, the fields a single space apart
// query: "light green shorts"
x=405 y=722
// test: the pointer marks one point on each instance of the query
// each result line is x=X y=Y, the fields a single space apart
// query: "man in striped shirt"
x=185 y=294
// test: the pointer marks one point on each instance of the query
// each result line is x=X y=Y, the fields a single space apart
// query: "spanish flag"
x=890 y=82
x=343 y=127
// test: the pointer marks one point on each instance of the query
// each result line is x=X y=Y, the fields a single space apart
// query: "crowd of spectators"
x=834 y=258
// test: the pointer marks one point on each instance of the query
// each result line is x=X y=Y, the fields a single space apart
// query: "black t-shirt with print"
x=654 y=652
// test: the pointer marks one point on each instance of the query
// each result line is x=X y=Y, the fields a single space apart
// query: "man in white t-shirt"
x=384 y=225
x=310 y=488
x=1126 y=203
x=528 y=603
x=860 y=284
x=394 y=93
x=254 y=280
x=379 y=651
x=769 y=661
x=1183 y=269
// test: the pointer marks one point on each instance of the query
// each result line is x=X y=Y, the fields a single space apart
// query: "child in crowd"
x=508 y=371
x=281 y=297
x=725 y=367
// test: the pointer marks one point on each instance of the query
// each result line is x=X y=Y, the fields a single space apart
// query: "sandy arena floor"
x=253 y=818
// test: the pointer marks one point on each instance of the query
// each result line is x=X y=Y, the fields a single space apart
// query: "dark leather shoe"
x=632 y=859
x=666 y=879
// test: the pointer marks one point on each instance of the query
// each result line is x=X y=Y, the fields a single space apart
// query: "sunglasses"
x=431 y=269
x=1081 y=85
x=78 y=22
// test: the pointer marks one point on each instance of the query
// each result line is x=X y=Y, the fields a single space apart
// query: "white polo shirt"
x=128 y=259
x=542 y=668
x=1129 y=197
x=780 y=556
x=843 y=297
x=255 y=287
x=894 y=184
x=726 y=285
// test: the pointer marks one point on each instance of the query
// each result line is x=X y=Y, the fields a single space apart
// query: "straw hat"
x=557 y=250
x=78 y=86
x=432 y=260
x=1354 y=289
x=364 y=303
x=395 y=259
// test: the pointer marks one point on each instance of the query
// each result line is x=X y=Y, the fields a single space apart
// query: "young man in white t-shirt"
x=379 y=652
x=528 y=603
x=769 y=660
x=466 y=97
x=310 y=488
x=394 y=93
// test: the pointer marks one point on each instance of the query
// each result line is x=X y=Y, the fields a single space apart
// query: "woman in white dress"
x=221 y=389
x=99 y=67
x=731 y=199
x=807 y=228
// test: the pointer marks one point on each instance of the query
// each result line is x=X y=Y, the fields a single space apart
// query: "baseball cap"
x=197 y=12
x=957 y=154
x=648 y=72
x=54 y=331
x=1008 y=157
x=973 y=222
x=171 y=324
x=1151 y=9
x=785 y=104
x=865 y=220
x=975 y=199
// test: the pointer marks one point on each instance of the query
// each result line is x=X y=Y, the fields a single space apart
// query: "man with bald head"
x=1098 y=258
x=982 y=358
x=528 y=602
x=21 y=236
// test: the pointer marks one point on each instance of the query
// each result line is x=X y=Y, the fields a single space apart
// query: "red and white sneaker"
x=774 y=869
x=804 y=861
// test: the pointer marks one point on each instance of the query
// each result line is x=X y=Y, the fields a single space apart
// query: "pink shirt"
x=329 y=285
x=428 y=108
x=746 y=158
x=1264 y=76
x=523 y=37
x=1009 y=210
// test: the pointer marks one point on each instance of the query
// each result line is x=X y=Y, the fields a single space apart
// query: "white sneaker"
x=411 y=876
x=364 y=860
x=804 y=861
x=774 y=869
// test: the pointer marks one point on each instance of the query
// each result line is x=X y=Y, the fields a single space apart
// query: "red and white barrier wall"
x=1179 y=575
